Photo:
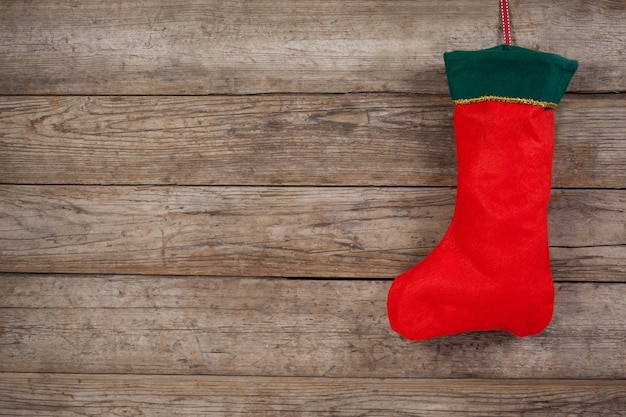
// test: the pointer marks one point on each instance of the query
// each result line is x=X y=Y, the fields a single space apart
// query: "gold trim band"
x=514 y=100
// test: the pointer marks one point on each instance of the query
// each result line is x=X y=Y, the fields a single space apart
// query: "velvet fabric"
x=491 y=270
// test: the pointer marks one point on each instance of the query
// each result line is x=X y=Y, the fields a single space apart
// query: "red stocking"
x=491 y=271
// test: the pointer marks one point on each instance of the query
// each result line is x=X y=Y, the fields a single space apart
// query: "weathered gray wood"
x=292 y=139
x=269 y=327
x=135 y=395
x=212 y=191
x=164 y=47
x=272 y=231
x=352 y=139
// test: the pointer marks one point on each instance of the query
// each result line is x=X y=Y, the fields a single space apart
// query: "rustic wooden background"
x=202 y=206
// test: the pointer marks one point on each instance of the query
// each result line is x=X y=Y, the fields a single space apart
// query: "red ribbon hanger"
x=506 y=21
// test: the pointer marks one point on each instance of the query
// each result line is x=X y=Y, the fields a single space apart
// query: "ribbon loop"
x=506 y=21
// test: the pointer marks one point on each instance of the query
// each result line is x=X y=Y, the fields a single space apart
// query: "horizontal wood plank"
x=274 y=231
x=241 y=47
x=135 y=395
x=353 y=139
x=274 y=327
x=284 y=139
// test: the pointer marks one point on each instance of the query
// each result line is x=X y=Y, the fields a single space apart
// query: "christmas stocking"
x=491 y=270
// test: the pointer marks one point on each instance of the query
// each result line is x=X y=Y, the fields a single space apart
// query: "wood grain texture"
x=283 y=139
x=271 y=231
x=134 y=395
x=242 y=47
x=274 y=327
x=352 y=139
x=165 y=164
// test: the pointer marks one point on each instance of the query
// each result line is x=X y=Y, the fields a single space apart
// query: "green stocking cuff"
x=508 y=73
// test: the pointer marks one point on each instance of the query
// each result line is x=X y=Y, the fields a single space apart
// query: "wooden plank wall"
x=202 y=206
